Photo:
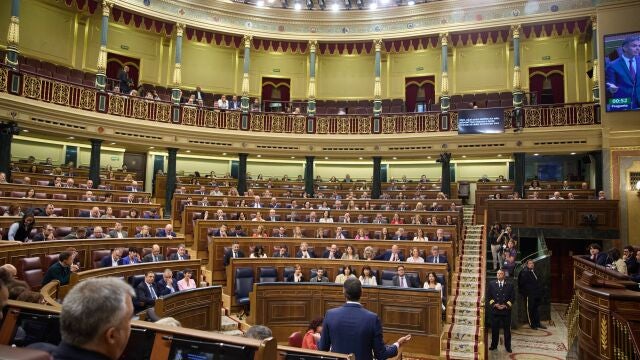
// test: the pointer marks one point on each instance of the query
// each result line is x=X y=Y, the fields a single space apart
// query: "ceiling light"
x=260 y=3
x=428 y=157
x=25 y=130
x=285 y=4
x=188 y=151
x=335 y=7
x=326 y=158
x=347 y=4
x=151 y=147
x=321 y=4
x=464 y=156
x=360 y=158
x=411 y=2
x=224 y=154
x=373 y=6
x=293 y=157
x=499 y=155
x=536 y=154
x=297 y=6
x=113 y=143
x=395 y=158
x=259 y=155
x=70 y=138
x=573 y=153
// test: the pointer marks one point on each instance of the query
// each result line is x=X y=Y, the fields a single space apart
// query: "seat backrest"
x=49 y=260
x=268 y=274
x=386 y=278
x=42 y=182
x=61 y=232
x=295 y=339
x=443 y=281
x=22 y=353
x=30 y=270
x=59 y=196
x=97 y=255
x=136 y=279
x=243 y=282
x=170 y=250
x=17 y=194
x=288 y=270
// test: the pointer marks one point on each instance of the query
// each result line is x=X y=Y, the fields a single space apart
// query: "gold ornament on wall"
x=13 y=36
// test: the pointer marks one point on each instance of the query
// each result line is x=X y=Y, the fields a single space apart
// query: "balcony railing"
x=51 y=90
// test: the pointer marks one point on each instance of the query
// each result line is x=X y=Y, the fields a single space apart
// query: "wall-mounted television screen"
x=622 y=74
x=481 y=121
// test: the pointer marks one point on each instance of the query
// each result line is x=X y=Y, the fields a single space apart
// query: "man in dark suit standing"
x=622 y=76
x=234 y=253
x=501 y=297
x=125 y=80
x=404 y=281
x=146 y=294
x=353 y=329
x=529 y=286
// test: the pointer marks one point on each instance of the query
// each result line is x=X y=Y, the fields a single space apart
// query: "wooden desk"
x=192 y=212
x=195 y=308
x=12 y=253
x=72 y=208
x=331 y=268
x=289 y=307
x=203 y=227
x=113 y=184
x=218 y=246
x=72 y=194
x=565 y=214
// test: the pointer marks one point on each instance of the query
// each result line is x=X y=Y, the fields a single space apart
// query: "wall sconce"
x=637 y=187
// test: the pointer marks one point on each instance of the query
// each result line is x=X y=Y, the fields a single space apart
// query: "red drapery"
x=116 y=62
x=555 y=74
x=276 y=90
x=414 y=85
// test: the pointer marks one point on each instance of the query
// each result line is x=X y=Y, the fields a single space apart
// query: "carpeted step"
x=228 y=324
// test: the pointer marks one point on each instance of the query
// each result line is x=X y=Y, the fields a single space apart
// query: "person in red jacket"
x=311 y=338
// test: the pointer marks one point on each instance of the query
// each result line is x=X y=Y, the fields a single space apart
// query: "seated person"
x=187 y=282
x=98 y=233
x=391 y=255
x=167 y=231
x=144 y=232
x=233 y=253
x=166 y=285
x=146 y=294
x=180 y=255
x=46 y=234
x=596 y=255
x=347 y=273
x=435 y=257
x=439 y=236
x=319 y=276
x=117 y=232
x=296 y=276
x=332 y=252
x=304 y=252
x=113 y=259
x=258 y=252
x=61 y=270
x=366 y=277
x=399 y=235
x=132 y=258
x=282 y=252
x=154 y=256
x=403 y=281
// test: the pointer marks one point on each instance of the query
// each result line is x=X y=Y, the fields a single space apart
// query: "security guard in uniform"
x=501 y=297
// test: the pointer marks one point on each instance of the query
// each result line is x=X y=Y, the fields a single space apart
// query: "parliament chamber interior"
x=471 y=167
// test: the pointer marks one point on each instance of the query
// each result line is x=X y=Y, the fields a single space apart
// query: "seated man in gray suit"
x=155 y=255
x=181 y=254
x=117 y=232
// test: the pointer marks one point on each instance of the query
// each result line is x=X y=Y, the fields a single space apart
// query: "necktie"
x=179 y=257
x=534 y=275
x=235 y=254
x=435 y=259
x=152 y=292
x=402 y=283
x=632 y=70
x=500 y=284
x=155 y=258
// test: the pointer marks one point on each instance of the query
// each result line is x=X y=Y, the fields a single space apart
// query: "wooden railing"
x=49 y=90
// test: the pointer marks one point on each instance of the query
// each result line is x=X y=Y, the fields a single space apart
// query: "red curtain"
x=116 y=62
x=412 y=87
x=555 y=74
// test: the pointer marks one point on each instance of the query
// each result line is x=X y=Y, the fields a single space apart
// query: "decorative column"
x=7 y=130
x=101 y=76
x=244 y=101
x=377 y=88
x=517 y=83
x=13 y=35
x=94 y=162
x=242 y=173
x=311 y=103
x=594 y=60
x=445 y=178
x=308 y=175
x=177 y=68
x=171 y=181
x=376 y=187
x=444 y=86
x=519 y=175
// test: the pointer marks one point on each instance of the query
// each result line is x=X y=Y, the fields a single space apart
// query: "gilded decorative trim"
x=180 y=29
x=517 y=82
x=312 y=88
x=444 y=86
x=604 y=327
x=515 y=31
x=378 y=44
x=177 y=74
x=444 y=41
x=13 y=35
x=247 y=40
x=377 y=89
x=106 y=7
x=4 y=76
x=594 y=22
x=102 y=59
x=313 y=44
x=32 y=87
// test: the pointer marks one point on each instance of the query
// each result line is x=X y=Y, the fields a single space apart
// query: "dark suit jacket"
x=325 y=255
x=311 y=254
x=143 y=296
x=387 y=255
x=290 y=278
x=441 y=259
x=601 y=259
x=399 y=237
x=149 y=258
x=353 y=329
x=163 y=233
x=125 y=81
x=234 y=105
x=106 y=261
x=617 y=73
x=229 y=254
x=174 y=256
x=315 y=279
x=411 y=281
x=162 y=289
x=502 y=296
x=632 y=265
x=57 y=272
x=528 y=284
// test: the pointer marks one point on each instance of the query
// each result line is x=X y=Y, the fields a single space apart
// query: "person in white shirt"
x=366 y=277
x=415 y=256
x=326 y=218
x=339 y=233
x=433 y=284
x=223 y=104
